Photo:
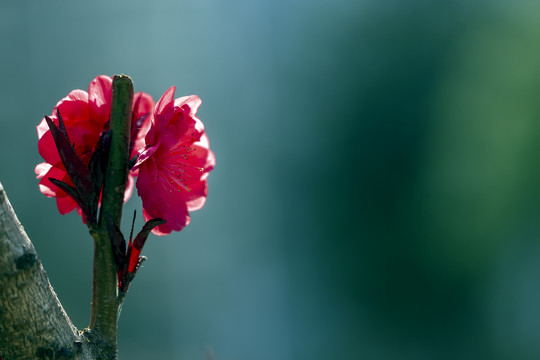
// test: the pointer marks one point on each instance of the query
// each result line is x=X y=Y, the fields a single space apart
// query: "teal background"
x=377 y=187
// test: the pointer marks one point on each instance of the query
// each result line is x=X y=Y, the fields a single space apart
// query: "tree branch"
x=33 y=324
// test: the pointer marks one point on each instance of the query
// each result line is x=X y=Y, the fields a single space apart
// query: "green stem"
x=117 y=168
x=105 y=303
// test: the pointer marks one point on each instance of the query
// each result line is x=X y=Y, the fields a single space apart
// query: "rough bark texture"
x=33 y=324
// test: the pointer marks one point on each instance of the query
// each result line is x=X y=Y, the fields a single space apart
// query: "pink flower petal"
x=42 y=169
x=145 y=154
x=193 y=102
x=178 y=219
x=99 y=97
x=197 y=196
x=203 y=156
x=163 y=229
x=42 y=128
x=143 y=105
x=165 y=104
x=161 y=199
x=73 y=108
x=48 y=188
x=47 y=149
x=129 y=188
x=65 y=204
x=163 y=112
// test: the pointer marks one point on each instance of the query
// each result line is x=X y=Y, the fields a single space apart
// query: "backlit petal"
x=163 y=112
x=99 y=98
x=65 y=204
x=175 y=163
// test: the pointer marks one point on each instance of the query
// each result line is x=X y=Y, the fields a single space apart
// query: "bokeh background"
x=377 y=189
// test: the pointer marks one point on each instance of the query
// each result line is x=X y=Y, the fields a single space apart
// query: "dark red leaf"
x=76 y=169
x=118 y=243
x=98 y=162
x=141 y=237
x=72 y=192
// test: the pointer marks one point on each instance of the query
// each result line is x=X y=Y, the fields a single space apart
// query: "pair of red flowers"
x=173 y=154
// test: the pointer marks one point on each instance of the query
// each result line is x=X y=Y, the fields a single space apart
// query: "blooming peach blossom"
x=85 y=116
x=174 y=165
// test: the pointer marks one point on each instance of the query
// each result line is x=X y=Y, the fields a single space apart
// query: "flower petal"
x=197 y=196
x=145 y=154
x=65 y=204
x=99 y=98
x=143 y=106
x=47 y=149
x=166 y=228
x=161 y=199
x=192 y=102
x=166 y=102
x=73 y=108
x=205 y=156
x=47 y=187
x=42 y=169
x=163 y=112
x=129 y=188
x=42 y=128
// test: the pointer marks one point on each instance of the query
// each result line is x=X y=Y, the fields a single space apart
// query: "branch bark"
x=33 y=323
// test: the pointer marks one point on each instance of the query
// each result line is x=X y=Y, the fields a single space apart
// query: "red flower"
x=174 y=165
x=85 y=115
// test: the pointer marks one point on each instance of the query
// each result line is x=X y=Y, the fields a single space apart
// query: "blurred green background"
x=377 y=189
